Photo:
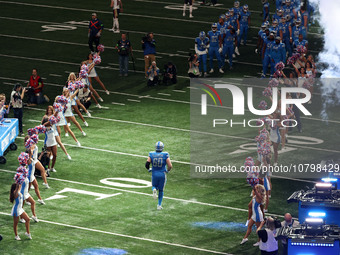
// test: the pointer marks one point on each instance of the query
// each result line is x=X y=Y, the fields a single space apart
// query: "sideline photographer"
x=268 y=243
x=153 y=74
x=149 y=47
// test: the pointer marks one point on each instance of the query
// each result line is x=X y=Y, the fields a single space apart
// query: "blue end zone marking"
x=223 y=226
x=102 y=251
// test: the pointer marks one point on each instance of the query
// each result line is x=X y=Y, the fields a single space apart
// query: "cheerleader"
x=87 y=82
x=68 y=112
x=63 y=123
x=93 y=74
x=38 y=165
x=275 y=136
x=32 y=151
x=26 y=196
x=255 y=211
x=50 y=140
x=17 y=198
x=49 y=113
x=75 y=102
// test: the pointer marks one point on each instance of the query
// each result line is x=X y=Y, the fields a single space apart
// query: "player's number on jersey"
x=157 y=162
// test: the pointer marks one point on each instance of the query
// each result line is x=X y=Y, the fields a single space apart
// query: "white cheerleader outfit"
x=93 y=72
x=17 y=209
x=31 y=171
x=257 y=215
x=24 y=189
x=68 y=111
x=50 y=138
x=62 y=121
x=275 y=136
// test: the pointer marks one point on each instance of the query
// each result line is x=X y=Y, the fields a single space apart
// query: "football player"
x=298 y=29
x=201 y=49
x=267 y=45
x=277 y=53
x=117 y=6
x=285 y=32
x=301 y=42
x=275 y=27
x=244 y=25
x=215 y=48
x=237 y=9
x=161 y=164
x=265 y=10
x=228 y=46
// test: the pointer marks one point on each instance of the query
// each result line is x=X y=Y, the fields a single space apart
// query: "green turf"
x=133 y=214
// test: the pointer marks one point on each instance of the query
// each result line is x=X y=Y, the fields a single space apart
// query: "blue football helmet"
x=236 y=4
x=202 y=35
x=245 y=8
x=159 y=146
x=214 y=27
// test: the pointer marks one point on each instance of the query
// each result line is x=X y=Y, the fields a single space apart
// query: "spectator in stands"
x=268 y=243
x=95 y=31
x=288 y=222
x=169 y=74
x=84 y=96
x=35 y=89
x=149 y=47
x=4 y=106
x=193 y=71
x=16 y=101
x=124 y=49
x=153 y=74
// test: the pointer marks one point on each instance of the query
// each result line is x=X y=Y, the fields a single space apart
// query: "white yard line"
x=126 y=236
x=133 y=100
x=55 y=75
x=164 y=94
x=117 y=103
x=179 y=91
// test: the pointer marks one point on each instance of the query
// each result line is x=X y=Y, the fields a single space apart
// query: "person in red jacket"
x=35 y=92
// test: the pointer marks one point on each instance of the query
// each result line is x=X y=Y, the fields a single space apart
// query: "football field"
x=101 y=202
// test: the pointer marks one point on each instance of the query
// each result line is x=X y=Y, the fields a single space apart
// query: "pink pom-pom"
x=83 y=74
x=35 y=138
x=29 y=143
x=267 y=92
x=19 y=178
x=22 y=170
x=23 y=158
x=278 y=74
x=100 y=47
x=263 y=105
x=301 y=49
x=62 y=100
x=273 y=83
x=54 y=120
x=264 y=149
x=261 y=137
x=79 y=84
x=41 y=129
x=58 y=107
x=97 y=60
x=84 y=67
x=279 y=66
x=253 y=181
x=71 y=86
x=32 y=131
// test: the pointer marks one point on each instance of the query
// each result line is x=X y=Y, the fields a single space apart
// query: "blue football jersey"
x=222 y=27
x=229 y=38
x=158 y=160
x=214 y=38
x=244 y=18
x=202 y=44
x=285 y=29
x=298 y=30
x=302 y=43
x=269 y=45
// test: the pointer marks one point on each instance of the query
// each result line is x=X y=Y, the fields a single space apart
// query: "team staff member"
x=95 y=31
x=16 y=101
x=123 y=47
x=36 y=86
x=158 y=159
x=117 y=6
x=288 y=222
x=149 y=47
